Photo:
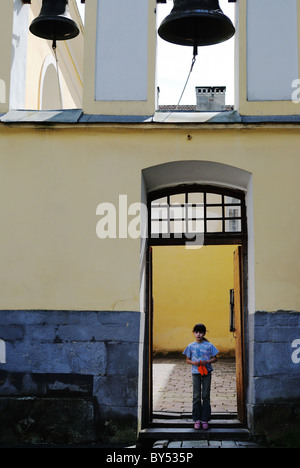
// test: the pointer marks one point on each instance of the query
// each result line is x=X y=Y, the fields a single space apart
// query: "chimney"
x=210 y=98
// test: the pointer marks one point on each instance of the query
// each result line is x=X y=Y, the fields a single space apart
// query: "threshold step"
x=173 y=433
x=214 y=423
x=179 y=415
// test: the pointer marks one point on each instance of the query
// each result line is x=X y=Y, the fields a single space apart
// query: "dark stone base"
x=33 y=420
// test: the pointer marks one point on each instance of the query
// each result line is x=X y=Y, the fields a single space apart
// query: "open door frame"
x=209 y=239
x=147 y=395
x=239 y=336
x=239 y=333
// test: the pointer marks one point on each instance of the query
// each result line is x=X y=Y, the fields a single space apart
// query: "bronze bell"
x=196 y=23
x=54 y=21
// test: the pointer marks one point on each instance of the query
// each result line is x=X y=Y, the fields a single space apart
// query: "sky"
x=214 y=64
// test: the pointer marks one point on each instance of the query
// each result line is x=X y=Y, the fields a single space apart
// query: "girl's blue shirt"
x=200 y=352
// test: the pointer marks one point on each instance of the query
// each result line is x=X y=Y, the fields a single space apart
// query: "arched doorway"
x=192 y=216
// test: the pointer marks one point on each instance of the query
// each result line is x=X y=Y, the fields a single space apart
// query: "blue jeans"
x=201 y=397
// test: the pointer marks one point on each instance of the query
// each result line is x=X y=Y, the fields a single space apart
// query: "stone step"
x=181 y=422
x=149 y=435
x=188 y=416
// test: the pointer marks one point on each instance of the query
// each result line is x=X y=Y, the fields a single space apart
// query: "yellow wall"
x=192 y=286
x=53 y=178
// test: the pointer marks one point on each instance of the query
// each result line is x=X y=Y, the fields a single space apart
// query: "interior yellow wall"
x=192 y=286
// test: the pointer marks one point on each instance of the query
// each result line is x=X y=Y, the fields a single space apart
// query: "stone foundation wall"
x=83 y=359
x=274 y=369
x=74 y=375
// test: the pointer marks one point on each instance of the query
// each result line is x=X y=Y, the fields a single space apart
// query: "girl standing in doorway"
x=200 y=355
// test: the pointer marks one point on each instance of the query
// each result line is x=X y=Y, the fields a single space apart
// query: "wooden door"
x=239 y=344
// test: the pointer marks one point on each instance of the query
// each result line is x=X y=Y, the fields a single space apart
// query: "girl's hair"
x=199 y=327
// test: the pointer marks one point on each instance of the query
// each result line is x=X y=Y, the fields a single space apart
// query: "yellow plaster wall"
x=53 y=178
x=51 y=184
x=192 y=286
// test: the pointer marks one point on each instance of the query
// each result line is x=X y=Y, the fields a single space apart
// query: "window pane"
x=177 y=212
x=214 y=226
x=179 y=198
x=232 y=212
x=196 y=198
x=159 y=227
x=155 y=227
x=196 y=226
x=196 y=212
x=213 y=198
x=230 y=200
x=159 y=212
x=214 y=212
x=233 y=225
x=160 y=201
x=177 y=227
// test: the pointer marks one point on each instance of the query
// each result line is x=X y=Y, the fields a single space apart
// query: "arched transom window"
x=179 y=215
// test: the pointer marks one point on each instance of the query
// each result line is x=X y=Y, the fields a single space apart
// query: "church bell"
x=54 y=21
x=196 y=23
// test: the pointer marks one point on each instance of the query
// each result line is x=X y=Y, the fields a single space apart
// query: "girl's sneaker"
x=205 y=425
x=197 y=425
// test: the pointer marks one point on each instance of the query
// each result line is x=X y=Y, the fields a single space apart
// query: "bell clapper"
x=195 y=50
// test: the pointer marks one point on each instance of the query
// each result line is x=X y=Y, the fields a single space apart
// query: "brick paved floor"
x=172 y=386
